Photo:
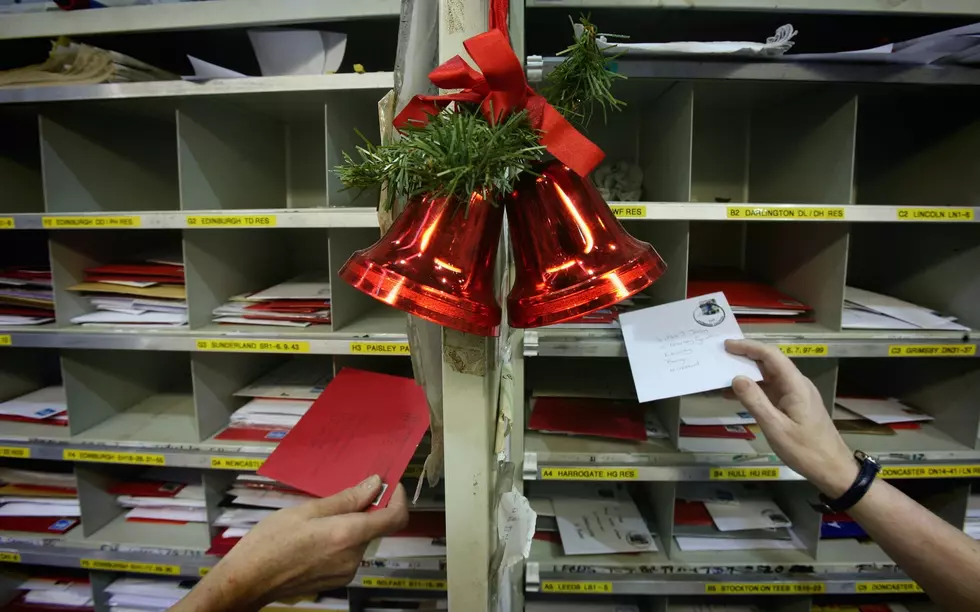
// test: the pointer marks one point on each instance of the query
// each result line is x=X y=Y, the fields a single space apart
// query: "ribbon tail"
x=563 y=141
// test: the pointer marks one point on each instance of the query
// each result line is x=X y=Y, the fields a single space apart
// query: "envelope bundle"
x=41 y=593
x=605 y=418
x=26 y=297
x=712 y=517
x=876 y=416
x=46 y=406
x=712 y=423
x=865 y=309
x=38 y=502
x=251 y=499
x=157 y=501
x=277 y=401
x=147 y=594
x=591 y=519
x=752 y=301
x=299 y=302
x=150 y=292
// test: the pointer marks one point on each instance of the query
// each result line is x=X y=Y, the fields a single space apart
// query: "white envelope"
x=881 y=411
x=66 y=508
x=747 y=514
x=34 y=477
x=301 y=379
x=189 y=515
x=41 y=404
x=287 y=52
x=598 y=526
x=394 y=548
x=311 y=286
x=919 y=316
x=688 y=544
x=679 y=348
x=712 y=409
x=715 y=445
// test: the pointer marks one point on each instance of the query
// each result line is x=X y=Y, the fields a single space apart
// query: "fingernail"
x=740 y=383
x=370 y=482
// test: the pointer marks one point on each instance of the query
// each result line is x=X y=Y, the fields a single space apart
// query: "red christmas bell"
x=572 y=255
x=436 y=262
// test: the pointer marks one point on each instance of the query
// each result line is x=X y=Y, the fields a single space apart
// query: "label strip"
x=759 y=473
x=130 y=566
x=931 y=471
x=253 y=346
x=72 y=454
x=765 y=588
x=565 y=586
x=932 y=350
x=555 y=473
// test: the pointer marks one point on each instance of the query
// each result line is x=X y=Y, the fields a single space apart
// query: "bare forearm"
x=943 y=560
x=219 y=591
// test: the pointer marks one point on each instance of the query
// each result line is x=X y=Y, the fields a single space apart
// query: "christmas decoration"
x=461 y=159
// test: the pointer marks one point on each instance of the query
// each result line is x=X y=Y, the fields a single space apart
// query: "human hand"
x=791 y=413
x=302 y=550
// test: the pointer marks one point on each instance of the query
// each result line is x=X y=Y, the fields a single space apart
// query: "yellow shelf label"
x=203 y=571
x=17 y=452
x=935 y=214
x=379 y=348
x=254 y=346
x=404 y=583
x=91 y=222
x=9 y=556
x=231 y=221
x=564 y=586
x=931 y=471
x=765 y=588
x=626 y=211
x=7 y=223
x=130 y=566
x=898 y=586
x=553 y=473
x=746 y=473
x=71 y=454
x=932 y=350
x=807 y=213
x=5 y=340
x=236 y=463
x=804 y=350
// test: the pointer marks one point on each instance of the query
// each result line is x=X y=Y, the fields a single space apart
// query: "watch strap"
x=868 y=471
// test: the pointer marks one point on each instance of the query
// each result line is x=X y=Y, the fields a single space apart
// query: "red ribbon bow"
x=500 y=90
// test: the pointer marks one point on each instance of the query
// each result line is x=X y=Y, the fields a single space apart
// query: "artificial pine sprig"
x=458 y=152
x=584 y=79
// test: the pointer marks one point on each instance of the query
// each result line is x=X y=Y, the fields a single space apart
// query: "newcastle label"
x=760 y=473
x=625 y=211
x=589 y=474
x=9 y=556
x=379 y=348
x=130 y=566
x=253 y=346
x=901 y=586
x=935 y=214
x=404 y=583
x=932 y=350
x=236 y=463
x=932 y=471
x=16 y=452
x=231 y=221
x=90 y=222
x=765 y=588
x=7 y=223
x=804 y=350
x=5 y=340
x=556 y=586
x=71 y=454
x=807 y=213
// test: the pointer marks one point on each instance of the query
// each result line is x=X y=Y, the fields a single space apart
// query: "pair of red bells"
x=572 y=257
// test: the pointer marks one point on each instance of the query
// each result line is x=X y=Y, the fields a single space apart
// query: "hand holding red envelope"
x=361 y=425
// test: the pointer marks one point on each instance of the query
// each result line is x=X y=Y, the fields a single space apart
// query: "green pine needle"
x=456 y=153
x=583 y=80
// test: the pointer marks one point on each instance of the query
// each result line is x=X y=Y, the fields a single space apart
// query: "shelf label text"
x=379 y=348
x=765 y=588
x=898 y=586
x=935 y=214
x=254 y=346
x=16 y=452
x=564 y=586
x=130 y=566
x=9 y=556
x=7 y=223
x=931 y=471
x=403 y=583
x=236 y=463
x=626 y=211
x=746 y=473
x=5 y=340
x=72 y=454
x=807 y=213
x=932 y=350
x=231 y=221
x=91 y=222
x=553 y=473
x=804 y=350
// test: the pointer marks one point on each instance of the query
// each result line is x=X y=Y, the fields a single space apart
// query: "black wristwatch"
x=867 y=473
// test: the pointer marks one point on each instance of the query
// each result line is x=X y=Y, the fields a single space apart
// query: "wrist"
x=836 y=480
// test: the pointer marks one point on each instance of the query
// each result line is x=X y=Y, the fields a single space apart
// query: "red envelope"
x=362 y=424
x=691 y=513
x=37 y=524
x=593 y=417
x=423 y=525
x=139 y=270
x=147 y=488
x=733 y=432
x=253 y=434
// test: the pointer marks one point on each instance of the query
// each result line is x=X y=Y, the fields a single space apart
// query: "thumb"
x=349 y=500
x=755 y=401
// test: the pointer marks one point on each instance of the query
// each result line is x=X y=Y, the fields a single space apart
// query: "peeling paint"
x=465 y=353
